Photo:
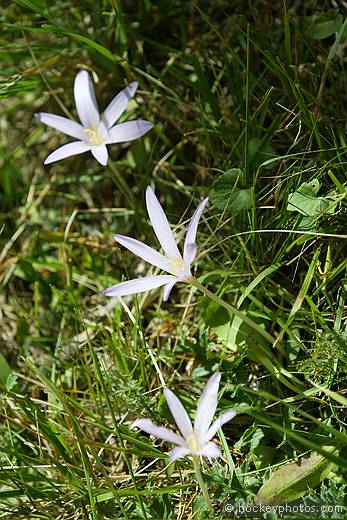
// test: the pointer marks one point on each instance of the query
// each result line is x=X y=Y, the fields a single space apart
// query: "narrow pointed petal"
x=218 y=423
x=211 y=450
x=190 y=254
x=62 y=124
x=192 y=229
x=158 y=431
x=100 y=153
x=178 y=413
x=67 y=150
x=128 y=131
x=118 y=104
x=207 y=405
x=168 y=289
x=145 y=252
x=161 y=225
x=179 y=452
x=86 y=104
x=138 y=286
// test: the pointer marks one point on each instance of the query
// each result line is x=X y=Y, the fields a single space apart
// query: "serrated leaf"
x=228 y=193
x=295 y=479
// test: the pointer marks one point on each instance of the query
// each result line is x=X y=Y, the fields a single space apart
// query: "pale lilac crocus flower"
x=172 y=262
x=96 y=131
x=195 y=441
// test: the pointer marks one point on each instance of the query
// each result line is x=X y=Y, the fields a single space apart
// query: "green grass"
x=248 y=102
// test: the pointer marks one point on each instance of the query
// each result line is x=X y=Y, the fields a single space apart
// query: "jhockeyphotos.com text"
x=233 y=510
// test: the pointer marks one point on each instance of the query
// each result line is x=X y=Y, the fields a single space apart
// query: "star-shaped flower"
x=195 y=441
x=96 y=131
x=172 y=262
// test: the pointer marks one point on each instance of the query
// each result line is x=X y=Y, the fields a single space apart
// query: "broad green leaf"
x=310 y=189
x=218 y=319
x=232 y=331
x=295 y=479
x=228 y=193
x=325 y=25
x=306 y=202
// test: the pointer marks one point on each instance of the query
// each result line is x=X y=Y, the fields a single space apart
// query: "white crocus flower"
x=195 y=441
x=172 y=262
x=96 y=131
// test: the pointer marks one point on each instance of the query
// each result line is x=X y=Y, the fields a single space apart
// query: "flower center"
x=176 y=266
x=193 y=443
x=94 y=136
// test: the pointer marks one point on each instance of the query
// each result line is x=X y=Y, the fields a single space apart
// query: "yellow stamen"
x=176 y=265
x=95 y=138
x=193 y=443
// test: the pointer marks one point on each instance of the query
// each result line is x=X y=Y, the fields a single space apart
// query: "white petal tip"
x=136 y=424
x=47 y=161
x=81 y=73
x=211 y=451
x=38 y=115
x=102 y=163
x=134 y=85
x=214 y=379
x=146 y=126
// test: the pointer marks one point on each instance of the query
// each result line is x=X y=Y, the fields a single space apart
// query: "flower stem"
x=121 y=184
x=202 y=485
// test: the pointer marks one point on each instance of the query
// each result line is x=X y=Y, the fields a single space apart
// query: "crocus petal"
x=191 y=233
x=168 y=289
x=161 y=225
x=145 y=252
x=178 y=413
x=62 y=124
x=158 y=431
x=218 y=423
x=86 y=104
x=137 y=286
x=100 y=153
x=67 y=150
x=179 y=452
x=128 y=131
x=207 y=405
x=211 y=450
x=190 y=254
x=119 y=104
